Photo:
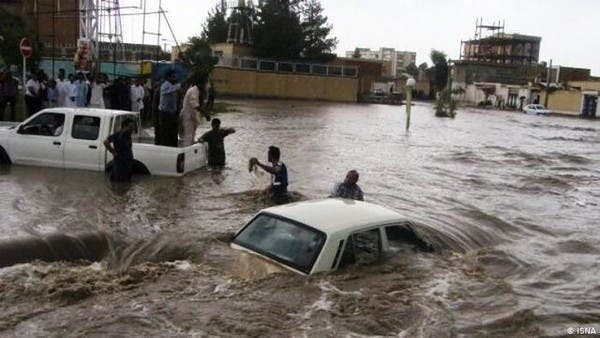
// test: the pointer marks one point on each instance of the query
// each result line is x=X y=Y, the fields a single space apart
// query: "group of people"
x=74 y=90
x=180 y=116
x=277 y=189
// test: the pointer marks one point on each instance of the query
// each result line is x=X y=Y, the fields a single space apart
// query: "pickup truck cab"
x=324 y=235
x=72 y=138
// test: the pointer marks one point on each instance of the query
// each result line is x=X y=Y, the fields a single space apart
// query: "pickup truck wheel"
x=4 y=158
x=140 y=168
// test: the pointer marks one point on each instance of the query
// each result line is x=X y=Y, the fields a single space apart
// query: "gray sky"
x=570 y=30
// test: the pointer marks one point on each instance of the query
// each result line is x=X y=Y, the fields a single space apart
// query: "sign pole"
x=408 y=104
x=26 y=51
x=24 y=73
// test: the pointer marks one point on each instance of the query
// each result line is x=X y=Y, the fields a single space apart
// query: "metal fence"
x=288 y=67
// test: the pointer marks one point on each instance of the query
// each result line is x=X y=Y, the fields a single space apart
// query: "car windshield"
x=288 y=242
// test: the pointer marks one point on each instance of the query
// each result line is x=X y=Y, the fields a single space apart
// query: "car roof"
x=90 y=111
x=334 y=215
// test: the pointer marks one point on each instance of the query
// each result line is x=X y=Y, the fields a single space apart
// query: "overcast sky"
x=570 y=30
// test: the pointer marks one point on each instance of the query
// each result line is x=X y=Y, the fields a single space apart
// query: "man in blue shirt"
x=167 y=111
x=348 y=189
x=279 y=177
x=82 y=91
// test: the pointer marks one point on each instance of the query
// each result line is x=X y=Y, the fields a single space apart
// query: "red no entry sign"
x=25 y=47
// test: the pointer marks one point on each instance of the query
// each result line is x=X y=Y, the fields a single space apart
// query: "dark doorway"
x=590 y=104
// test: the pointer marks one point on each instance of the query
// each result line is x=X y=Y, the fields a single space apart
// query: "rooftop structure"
x=492 y=45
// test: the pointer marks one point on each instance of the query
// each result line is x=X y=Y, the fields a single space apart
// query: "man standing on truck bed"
x=192 y=105
x=167 y=111
x=216 y=148
x=119 y=144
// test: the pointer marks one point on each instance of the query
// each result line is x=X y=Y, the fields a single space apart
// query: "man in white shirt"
x=192 y=105
x=70 y=92
x=97 y=97
x=136 y=93
x=33 y=99
x=61 y=88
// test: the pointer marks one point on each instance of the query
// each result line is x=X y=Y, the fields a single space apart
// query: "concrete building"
x=397 y=60
x=577 y=98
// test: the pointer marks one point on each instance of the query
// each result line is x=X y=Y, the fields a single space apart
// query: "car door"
x=39 y=141
x=83 y=144
x=364 y=247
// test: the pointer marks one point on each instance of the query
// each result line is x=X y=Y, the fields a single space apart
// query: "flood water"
x=510 y=203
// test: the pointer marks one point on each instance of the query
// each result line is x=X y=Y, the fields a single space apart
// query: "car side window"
x=47 y=124
x=400 y=235
x=362 y=248
x=85 y=127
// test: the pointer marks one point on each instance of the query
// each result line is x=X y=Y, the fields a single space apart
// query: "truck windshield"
x=288 y=242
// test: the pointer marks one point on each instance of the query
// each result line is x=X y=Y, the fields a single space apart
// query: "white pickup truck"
x=72 y=138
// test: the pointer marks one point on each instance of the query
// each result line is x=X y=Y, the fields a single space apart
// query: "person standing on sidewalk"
x=33 y=99
x=9 y=88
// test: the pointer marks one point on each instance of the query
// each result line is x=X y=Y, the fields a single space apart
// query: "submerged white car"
x=323 y=235
x=537 y=109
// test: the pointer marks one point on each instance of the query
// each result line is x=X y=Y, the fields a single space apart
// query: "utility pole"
x=410 y=84
x=548 y=84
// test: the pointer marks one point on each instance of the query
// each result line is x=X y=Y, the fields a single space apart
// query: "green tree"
x=440 y=69
x=12 y=30
x=215 y=28
x=423 y=66
x=197 y=56
x=317 y=44
x=412 y=70
x=278 y=32
x=356 y=53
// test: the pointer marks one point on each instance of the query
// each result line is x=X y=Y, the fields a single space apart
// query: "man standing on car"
x=167 y=110
x=119 y=144
x=279 y=177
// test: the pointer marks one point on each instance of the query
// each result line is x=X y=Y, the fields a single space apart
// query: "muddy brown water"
x=509 y=201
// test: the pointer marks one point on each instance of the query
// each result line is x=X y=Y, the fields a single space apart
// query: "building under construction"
x=503 y=65
x=59 y=25
x=492 y=45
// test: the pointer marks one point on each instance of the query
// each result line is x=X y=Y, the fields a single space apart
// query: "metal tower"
x=240 y=21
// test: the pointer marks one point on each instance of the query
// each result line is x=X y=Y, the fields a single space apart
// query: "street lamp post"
x=410 y=84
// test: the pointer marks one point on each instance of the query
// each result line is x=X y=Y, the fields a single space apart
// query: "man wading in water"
x=122 y=167
x=216 y=148
x=279 y=177
x=348 y=189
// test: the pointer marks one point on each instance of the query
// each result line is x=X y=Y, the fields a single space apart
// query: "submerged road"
x=509 y=201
